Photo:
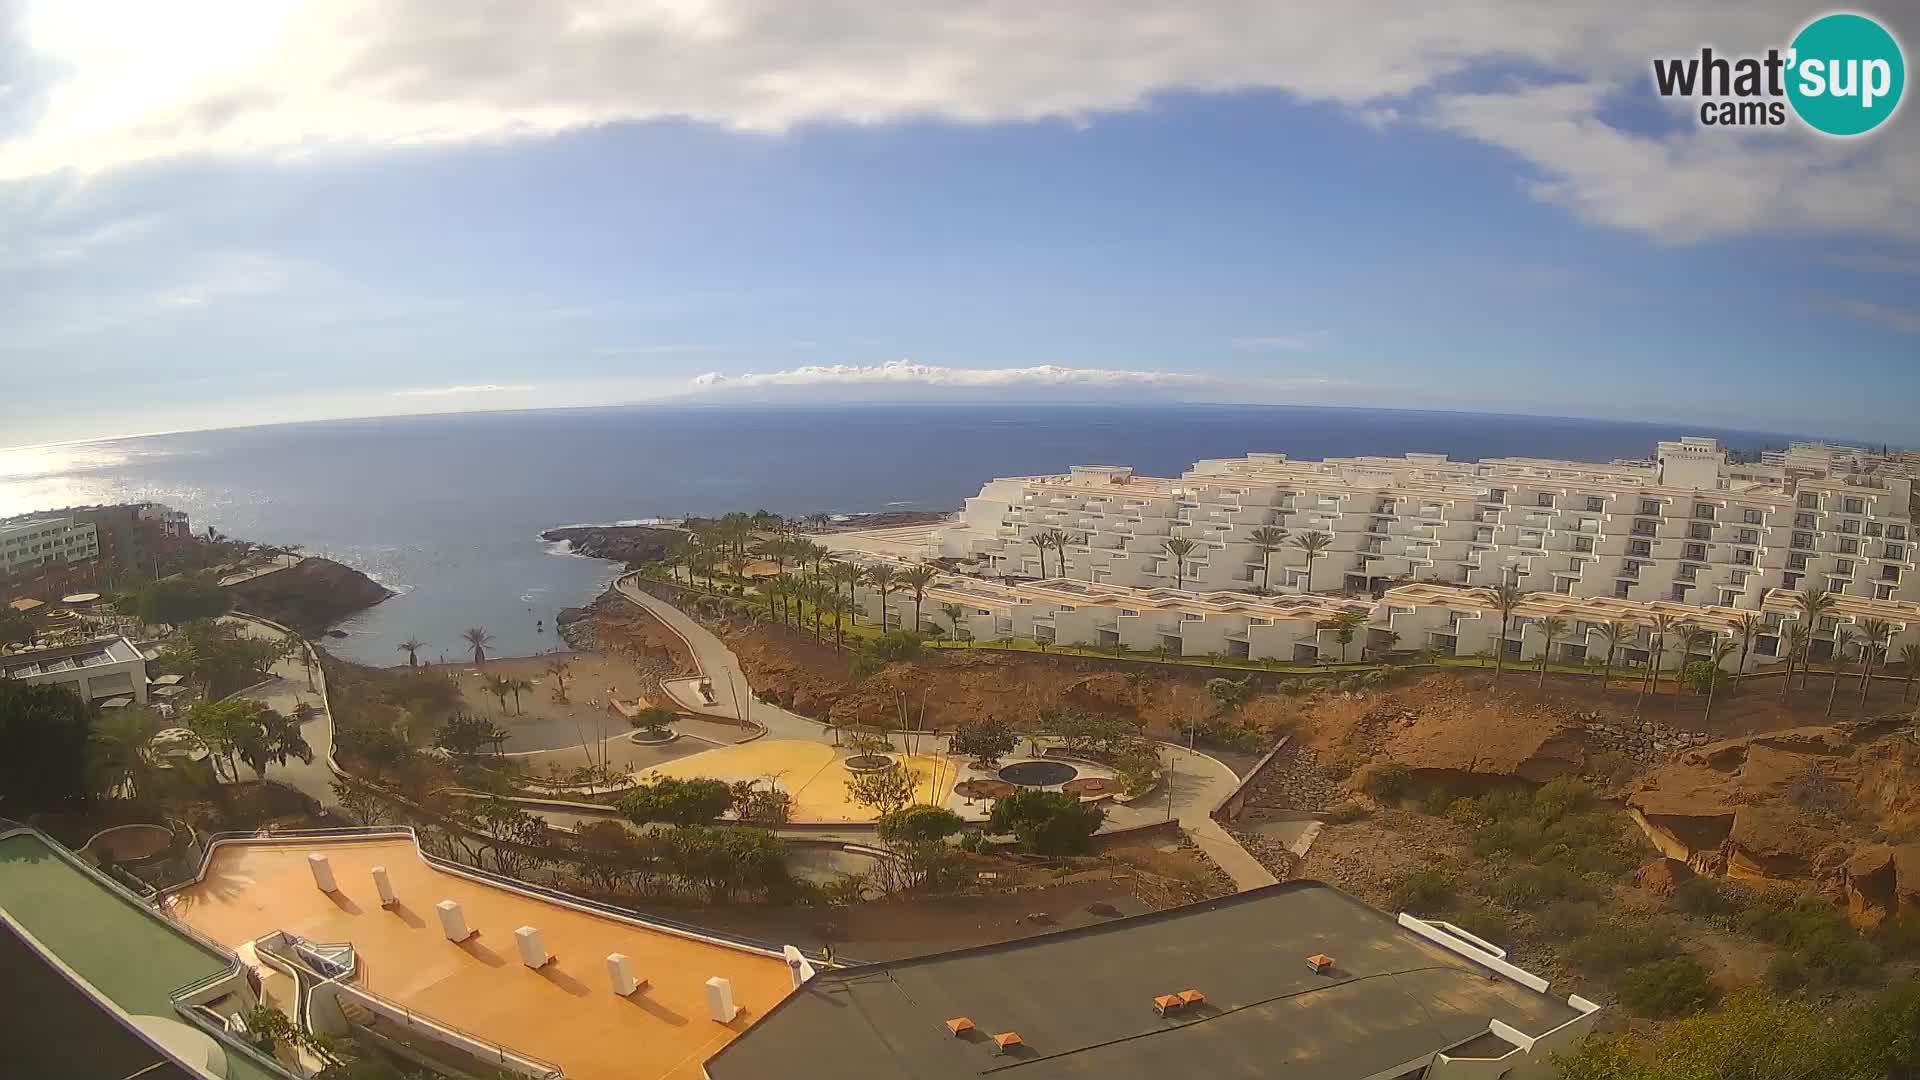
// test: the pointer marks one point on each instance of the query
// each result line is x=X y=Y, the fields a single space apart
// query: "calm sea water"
x=447 y=510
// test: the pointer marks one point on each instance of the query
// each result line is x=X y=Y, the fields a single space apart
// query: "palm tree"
x=1691 y=637
x=881 y=577
x=953 y=612
x=1058 y=541
x=1799 y=639
x=1614 y=633
x=515 y=686
x=479 y=639
x=840 y=606
x=849 y=575
x=499 y=686
x=818 y=592
x=1842 y=640
x=1663 y=624
x=1554 y=627
x=1313 y=543
x=1718 y=656
x=1813 y=602
x=1746 y=627
x=560 y=669
x=412 y=647
x=1040 y=541
x=1267 y=540
x=1179 y=547
x=1874 y=636
x=918 y=578
x=117 y=751
x=1345 y=624
x=1910 y=660
x=678 y=554
x=1506 y=599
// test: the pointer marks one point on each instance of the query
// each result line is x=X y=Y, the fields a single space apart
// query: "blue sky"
x=276 y=211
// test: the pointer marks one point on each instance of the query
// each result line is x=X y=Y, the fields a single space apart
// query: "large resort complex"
x=1087 y=557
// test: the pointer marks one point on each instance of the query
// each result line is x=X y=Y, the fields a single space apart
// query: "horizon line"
x=683 y=401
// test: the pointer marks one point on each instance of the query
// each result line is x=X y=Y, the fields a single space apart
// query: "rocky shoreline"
x=638 y=544
x=310 y=596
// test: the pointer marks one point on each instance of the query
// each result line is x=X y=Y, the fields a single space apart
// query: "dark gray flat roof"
x=51 y=1028
x=1081 y=1000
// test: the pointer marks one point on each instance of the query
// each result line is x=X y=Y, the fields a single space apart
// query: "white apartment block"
x=29 y=543
x=1685 y=527
x=97 y=671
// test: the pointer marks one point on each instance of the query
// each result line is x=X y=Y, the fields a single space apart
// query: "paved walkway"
x=1199 y=783
x=286 y=692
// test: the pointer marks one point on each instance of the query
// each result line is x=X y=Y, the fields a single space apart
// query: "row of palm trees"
x=1871 y=639
x=1266 y=540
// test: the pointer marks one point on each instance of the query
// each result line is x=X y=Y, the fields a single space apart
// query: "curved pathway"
x=1199 y=783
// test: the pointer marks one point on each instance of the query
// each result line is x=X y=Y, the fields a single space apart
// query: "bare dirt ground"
x=614 y=626
x=540 y=720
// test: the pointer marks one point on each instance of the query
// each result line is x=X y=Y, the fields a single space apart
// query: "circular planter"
x=1038 y=773
x=1088 y=787
x=130 y=843
x=643 y=737
x=983 y=789
x=862 y=763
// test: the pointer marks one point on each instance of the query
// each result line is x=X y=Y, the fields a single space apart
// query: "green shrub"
x=1422 y=890
x=1702 y=896
x=1900 y=935
x=1701 y=675
x=1787 y=973
x=1675 y=986
x=1530 y=886
x=1046 y=822
x=1348 y=811
x=1565 y=920
x=894 y=645
x=1466 y=812
x=1481 y=922
x=918 y=824
x=1617 y=944
x=1560 y=797
x=1506 y=804
x=1388 y=782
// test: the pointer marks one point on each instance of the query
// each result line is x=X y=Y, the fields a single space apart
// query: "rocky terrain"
x=310 y=596
x=1837 y=807
x=629 y=544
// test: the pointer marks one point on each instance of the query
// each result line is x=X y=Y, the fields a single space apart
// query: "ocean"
x=448 y=510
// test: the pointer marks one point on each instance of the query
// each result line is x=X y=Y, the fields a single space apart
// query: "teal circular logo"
x=1845 y=74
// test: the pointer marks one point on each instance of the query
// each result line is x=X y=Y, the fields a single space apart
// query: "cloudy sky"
x=243 y=212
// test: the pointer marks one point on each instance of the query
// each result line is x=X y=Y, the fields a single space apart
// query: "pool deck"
x=128 y=952
x=564 y=1013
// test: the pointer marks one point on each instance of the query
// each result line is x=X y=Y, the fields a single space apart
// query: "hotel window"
x=1896 y=551
x=1836 y=584
x=1583 y=543
x=1751 y=517
x=1849 y=547
x=1703 y=510
x=1789 y=581
x=1809 y=501
x=1850 y=525
x=1739 y=577
x=1700 y=530
x=1498 y=495
x=1643 y=527
x=1595 y=504
x=1826 y=624
x=1747 y=536
x=1873 y=528
x=1727 y=598
x=1889 y=573
x=1743 y=557
x=1883 y=592
x=1796 y=561
x=1639 y=547
x=1620 y=589
x=1843 y=566
x=1544 y=500
x=1802 y=540
x=1650 y=506
x=1896 y=532
x=1803 y=521
x=1853 y=505
x=1696 y=552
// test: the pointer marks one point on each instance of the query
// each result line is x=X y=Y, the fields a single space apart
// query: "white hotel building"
x=32 y=542
x=1686 y=533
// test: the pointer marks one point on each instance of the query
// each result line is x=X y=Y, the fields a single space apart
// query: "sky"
x=226 y=213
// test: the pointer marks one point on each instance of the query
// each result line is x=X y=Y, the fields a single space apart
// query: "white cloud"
x=907 y=373
x=1901 y=320
x=451 y=391
x=108 y=84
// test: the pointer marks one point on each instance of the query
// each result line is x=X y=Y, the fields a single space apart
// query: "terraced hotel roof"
x=565 y=1013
